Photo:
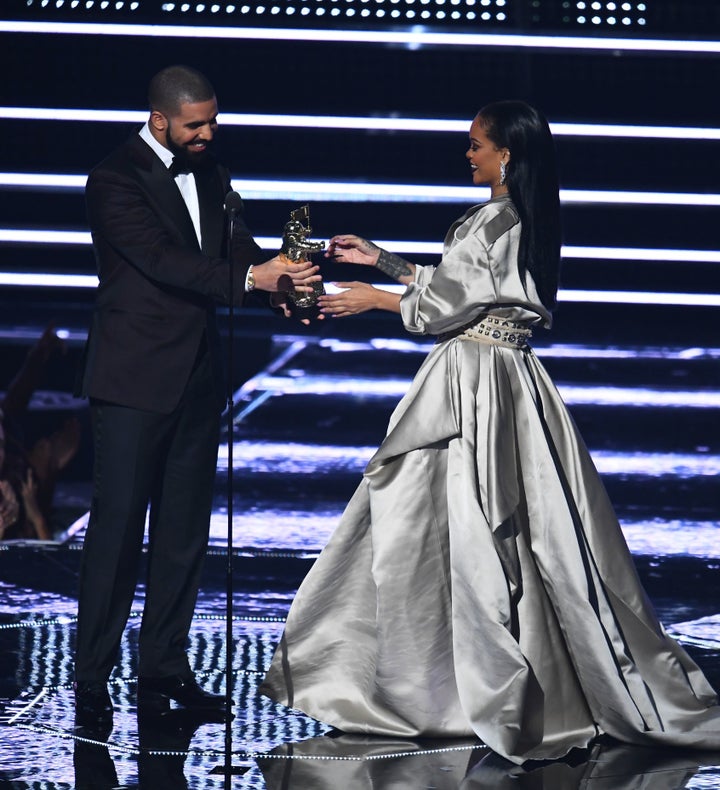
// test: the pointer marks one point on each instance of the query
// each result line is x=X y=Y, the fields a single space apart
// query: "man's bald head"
x=177 y=85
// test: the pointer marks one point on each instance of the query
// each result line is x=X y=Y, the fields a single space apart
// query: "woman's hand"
x=33 y=511
x=29 y=489
x=352 y=249
x=9 y=507
x=357 y=298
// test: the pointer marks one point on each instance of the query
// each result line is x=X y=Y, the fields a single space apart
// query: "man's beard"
x=192 y=160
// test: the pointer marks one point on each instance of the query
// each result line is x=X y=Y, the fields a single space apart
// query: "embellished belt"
x=496 y=331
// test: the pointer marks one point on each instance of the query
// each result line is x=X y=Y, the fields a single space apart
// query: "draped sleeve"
x=477 y=274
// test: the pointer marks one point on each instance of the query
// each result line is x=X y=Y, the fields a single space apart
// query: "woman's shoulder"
x=493 y=219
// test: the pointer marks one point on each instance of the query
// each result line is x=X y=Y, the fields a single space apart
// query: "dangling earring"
x=503 y=174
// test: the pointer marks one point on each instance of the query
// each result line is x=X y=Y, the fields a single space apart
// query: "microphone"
x=233 y=203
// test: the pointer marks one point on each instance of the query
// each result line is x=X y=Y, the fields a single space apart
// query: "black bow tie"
x=177 y=167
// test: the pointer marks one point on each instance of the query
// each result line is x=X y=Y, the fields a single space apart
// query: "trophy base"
x=303 y=304
x=301 y=312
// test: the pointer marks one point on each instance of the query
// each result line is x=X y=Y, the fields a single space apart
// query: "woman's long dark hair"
x=533 y=185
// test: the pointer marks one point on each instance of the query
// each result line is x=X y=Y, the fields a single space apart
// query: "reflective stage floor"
x=304 y=427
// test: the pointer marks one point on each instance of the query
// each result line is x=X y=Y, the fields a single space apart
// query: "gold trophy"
x=295 y=249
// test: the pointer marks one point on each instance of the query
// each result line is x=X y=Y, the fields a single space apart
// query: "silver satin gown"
x=478 y=581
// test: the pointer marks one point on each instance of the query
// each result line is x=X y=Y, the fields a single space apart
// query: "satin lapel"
x=164 y=193
x=212 y=216
x=450 y=235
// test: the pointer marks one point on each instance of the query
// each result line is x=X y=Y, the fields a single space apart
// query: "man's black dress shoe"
x=93 y=708
x=154 y=694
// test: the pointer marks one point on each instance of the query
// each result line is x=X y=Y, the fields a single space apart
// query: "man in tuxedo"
x=152 y=371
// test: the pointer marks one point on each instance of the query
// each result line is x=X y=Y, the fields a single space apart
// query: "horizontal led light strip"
x=359 y=123
x=270 y=189
x=412 y=38
x=616 y=297
x=552 y=351
x=639 y=297
x=640 y=254
x=436 y=193
x=47 y=280
x=303 y=458
x=656 y=255
x=573 y=395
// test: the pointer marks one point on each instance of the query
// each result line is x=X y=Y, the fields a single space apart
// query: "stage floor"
x=303 y=429
x=271 y=746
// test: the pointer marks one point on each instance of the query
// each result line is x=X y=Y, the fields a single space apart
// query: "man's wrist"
x=249 y=280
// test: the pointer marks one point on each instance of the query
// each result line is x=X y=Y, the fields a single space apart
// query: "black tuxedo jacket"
x=158 y=290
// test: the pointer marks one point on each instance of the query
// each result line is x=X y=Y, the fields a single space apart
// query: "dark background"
x=44 y=67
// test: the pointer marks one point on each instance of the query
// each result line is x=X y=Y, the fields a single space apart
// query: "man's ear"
x=158 y=121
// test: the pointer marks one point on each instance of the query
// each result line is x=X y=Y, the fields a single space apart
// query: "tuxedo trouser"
x=169 y=462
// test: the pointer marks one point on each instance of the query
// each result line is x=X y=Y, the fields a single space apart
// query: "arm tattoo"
x=393 y=265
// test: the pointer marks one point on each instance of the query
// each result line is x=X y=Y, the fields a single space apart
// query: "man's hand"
x=278 y=274
x=280 y=302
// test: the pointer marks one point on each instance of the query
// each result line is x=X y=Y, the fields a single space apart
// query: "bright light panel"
x=413 y=38
x=270 y=120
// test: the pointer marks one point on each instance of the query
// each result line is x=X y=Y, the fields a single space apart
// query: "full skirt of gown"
x=479 y=583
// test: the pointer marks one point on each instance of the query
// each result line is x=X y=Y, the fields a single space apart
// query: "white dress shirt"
x=185 y=181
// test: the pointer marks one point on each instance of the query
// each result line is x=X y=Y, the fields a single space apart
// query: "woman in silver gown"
x=478 y=581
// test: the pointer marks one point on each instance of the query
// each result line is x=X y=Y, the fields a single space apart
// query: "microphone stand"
x=233 y=203
x=229 y=566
